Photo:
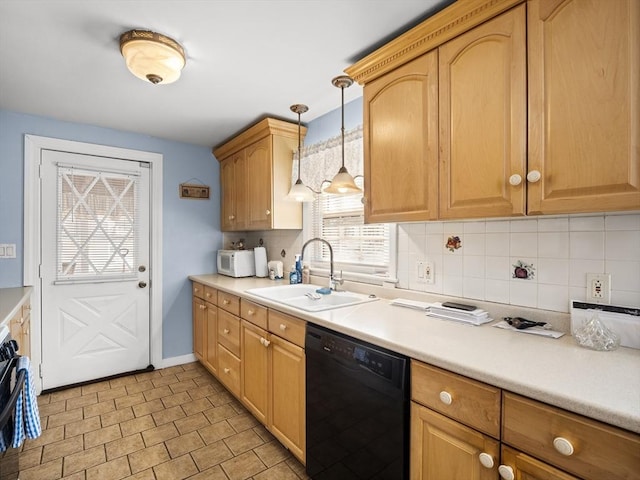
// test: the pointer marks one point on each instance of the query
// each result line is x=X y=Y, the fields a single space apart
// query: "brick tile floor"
x=169 y=424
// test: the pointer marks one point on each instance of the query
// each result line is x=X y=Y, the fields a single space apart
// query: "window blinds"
x=97 y=225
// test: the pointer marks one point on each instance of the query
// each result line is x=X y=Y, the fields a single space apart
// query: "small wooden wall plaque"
x=199 y=192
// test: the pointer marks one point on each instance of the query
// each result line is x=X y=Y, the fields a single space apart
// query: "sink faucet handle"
x=335 y=281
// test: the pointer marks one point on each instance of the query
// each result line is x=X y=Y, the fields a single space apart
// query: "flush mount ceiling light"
x=299 y=191
x=343 y=182
x=152 y=56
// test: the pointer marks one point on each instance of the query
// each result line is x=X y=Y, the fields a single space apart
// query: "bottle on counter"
x=306 y=273
x=293 y=275
x=299 y=267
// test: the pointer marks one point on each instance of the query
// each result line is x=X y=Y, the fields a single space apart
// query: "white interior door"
x=95 y=267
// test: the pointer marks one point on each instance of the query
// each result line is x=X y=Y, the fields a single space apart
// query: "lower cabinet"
x=205 y=324
x=442 y=448
x=462 y=429
x=518 y=465
x=20 y=329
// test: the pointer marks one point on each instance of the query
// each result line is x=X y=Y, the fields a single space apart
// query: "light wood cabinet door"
x=255 y=378
x=584 y=105
x=210 y=344
x=259 y=185
x=524 y=467
x=199 y=326
x=442 y=448
x=401 y=143
x=482 y=85
x=233 y=172
x=288 y=395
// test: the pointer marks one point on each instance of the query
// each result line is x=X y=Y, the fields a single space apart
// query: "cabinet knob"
x=226 y=302
x=227 y=370
x=231 y=217
x=208 y=295
x=264 y=341
x=563 y=446
x=226 y=331
x=533 y=176
x=486 y=460
x=446 y=398
x=515 y=179
x=196 y=290
x=250 y=312
x=268 y=212
x=203 y=307
x=283 y=327
x=506 y=472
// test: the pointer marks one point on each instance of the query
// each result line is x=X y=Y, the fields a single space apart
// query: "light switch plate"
x=7 y=250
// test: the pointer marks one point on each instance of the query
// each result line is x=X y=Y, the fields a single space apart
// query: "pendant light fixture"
x=299 y=191
x=151 y=56
x=343 y=182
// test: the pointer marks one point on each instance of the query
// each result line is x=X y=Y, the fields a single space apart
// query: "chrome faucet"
x=333 y=280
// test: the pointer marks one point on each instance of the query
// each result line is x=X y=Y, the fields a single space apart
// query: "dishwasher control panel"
x=374 y=361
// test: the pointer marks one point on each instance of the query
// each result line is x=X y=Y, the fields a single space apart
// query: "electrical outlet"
x=599 y=287
x=429 y=272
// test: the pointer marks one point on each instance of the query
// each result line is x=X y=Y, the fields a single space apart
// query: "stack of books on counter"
x=473 y=317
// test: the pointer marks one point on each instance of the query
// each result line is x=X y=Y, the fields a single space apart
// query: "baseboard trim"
x=173 y=361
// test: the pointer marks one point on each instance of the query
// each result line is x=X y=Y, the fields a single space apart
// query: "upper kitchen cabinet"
x=401 y=137
x=584 y=105
x=256 y=177
x=483 y=120
x=537 y=112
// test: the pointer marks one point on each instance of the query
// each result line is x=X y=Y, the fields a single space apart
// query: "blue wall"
x=191 y=228
x=328 y=125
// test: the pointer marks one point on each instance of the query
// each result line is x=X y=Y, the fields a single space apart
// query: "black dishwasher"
x=357 y=409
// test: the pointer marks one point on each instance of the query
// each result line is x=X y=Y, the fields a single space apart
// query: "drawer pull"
x=203 y=307
x=196 y=290
x=283 y=327
x=226 y=331
x=227 y=370
x=250 y=312
x=208 y=295
x=506 y=472
x=563 y=446
x=486 y=460
x=445 y=397
x=226 y=302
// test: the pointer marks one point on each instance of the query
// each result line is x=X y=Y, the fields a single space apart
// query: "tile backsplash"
x=532 y=262
x=556 y=253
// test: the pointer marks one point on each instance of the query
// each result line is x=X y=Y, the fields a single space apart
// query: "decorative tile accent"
x=524 y=270
x=453 y=243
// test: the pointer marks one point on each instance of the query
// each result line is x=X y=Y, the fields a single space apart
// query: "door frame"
x=33 y=146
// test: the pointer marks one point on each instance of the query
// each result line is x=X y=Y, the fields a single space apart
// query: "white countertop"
x=601 y=385
x=11 y=299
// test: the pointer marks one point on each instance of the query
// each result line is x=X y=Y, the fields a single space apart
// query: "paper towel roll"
x=260 y=256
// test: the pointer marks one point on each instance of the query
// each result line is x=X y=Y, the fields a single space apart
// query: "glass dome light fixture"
x=343 y=183
x=299 y=191
x=152 y=57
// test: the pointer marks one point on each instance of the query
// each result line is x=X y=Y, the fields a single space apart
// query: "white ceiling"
x=246 y=59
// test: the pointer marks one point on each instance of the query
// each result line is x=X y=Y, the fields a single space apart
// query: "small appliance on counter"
x=236 y=263
x=260 y=255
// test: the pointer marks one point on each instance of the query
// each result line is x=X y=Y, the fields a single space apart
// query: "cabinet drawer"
x=197 y=290
x=229 y=370
x=254 y=313
x=599 y=451
x=210 y=295
x=468 y=401
x=288 y=327
x=229 y=302
x=229 y=331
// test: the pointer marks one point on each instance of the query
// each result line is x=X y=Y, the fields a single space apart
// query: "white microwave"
x=236 y=263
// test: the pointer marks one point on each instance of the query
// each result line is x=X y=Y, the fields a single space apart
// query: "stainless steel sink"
x=304 y=297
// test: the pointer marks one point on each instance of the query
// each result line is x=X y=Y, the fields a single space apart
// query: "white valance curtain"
x=321 y=161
